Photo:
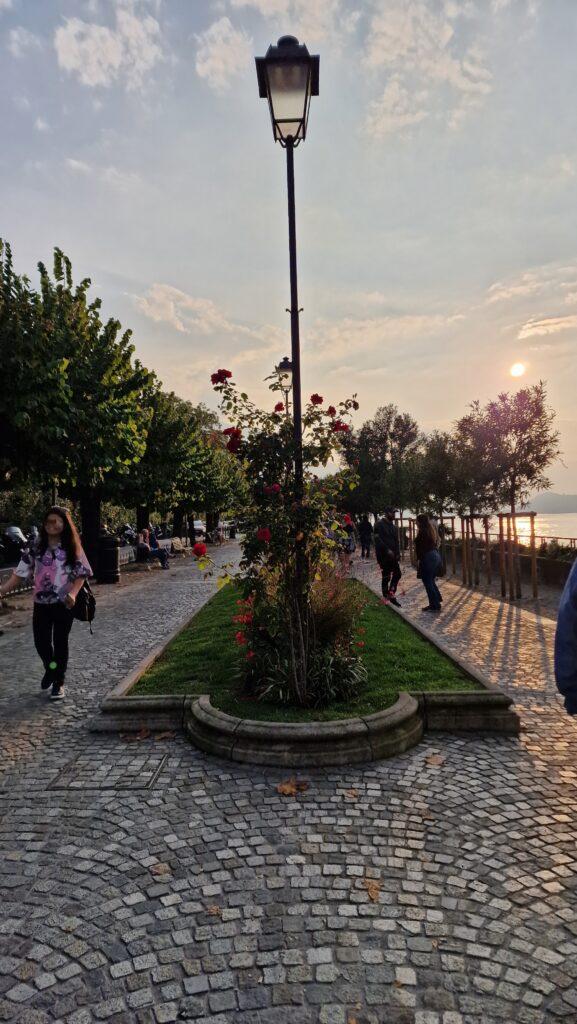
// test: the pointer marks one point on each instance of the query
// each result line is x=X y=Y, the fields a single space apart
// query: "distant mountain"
x=548 y=502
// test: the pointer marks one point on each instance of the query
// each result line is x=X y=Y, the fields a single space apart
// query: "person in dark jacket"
x=388 y=553
x=429 y=561
x=566 y=644
x=366 y=537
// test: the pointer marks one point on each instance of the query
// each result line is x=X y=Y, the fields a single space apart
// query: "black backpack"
x=85 y=605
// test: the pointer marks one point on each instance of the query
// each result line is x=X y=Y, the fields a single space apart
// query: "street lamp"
x=287 y=77
x=285 y=376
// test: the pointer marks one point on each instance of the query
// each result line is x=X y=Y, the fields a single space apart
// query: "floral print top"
x=53 y=576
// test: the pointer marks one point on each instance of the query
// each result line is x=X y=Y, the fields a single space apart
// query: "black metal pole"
x=294 y=312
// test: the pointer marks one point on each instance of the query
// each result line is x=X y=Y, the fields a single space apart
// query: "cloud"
x=122 y=181
x=550 y=325
x=21 y=41
x=189 y=314
x=5 y=5
x=335 y=339
x=22 y=103
x=101 y=56
x=321 y=21
x=223 y=53
x=433 y=68
x=550 y=279
x=41 y=125
x=78 y=166
x=396 y=109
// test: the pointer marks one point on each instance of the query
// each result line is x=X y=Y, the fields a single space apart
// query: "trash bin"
x=108 y=570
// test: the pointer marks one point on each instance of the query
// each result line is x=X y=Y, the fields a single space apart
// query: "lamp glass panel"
x=288 y=87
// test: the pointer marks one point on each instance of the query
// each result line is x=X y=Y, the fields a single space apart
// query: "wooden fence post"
x=487 y=549
x=453 y=552
x=510 y=556
x=463 y=553
x=502 y=557
x=534 y=582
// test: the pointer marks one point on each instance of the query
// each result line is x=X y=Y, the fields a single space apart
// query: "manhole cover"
x=130 y=771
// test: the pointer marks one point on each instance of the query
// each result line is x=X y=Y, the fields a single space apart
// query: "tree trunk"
x=90 y=504
x=212 y=521
x=178 y=522
x=142 y=517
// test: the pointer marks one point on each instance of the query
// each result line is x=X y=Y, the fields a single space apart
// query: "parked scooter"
x=13 y=543
x=127 y=535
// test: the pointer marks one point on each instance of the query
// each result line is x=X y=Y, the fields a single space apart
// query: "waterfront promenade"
x=147 y=882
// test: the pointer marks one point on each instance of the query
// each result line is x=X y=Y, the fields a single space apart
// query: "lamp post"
x=285 y=375
x=287 y=77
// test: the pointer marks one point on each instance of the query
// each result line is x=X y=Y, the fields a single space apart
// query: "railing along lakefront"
x=470 y=548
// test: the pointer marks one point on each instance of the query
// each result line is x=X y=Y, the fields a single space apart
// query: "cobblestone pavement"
x=147 y=882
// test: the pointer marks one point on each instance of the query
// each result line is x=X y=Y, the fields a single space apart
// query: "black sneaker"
x=47 y=680
x=393 y=600
x=57 y=691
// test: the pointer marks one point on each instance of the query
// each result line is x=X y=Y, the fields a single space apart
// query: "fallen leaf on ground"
x=373 y=888
x=435 y=759
x=291 y=787
x=161 y=869
x=351 y=794
x=214 y=910
x=397 y=983
x=167 y=735
x=135 y=737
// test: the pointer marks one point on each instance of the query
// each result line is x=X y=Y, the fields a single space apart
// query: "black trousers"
x=365 y=547
x=51 y=624
x=391 y=574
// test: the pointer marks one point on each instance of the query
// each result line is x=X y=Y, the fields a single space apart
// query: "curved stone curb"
x=466 y=711
x=305 y=744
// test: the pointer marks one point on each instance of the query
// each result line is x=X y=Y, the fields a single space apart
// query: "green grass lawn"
x=203 y=657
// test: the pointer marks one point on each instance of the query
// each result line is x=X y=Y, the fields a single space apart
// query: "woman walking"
x=58 y=566
x=429 y=561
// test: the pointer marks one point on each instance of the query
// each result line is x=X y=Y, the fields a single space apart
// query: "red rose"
x=338 y=426
x=220 y=376
x=263 y=534
x=240 y=638
x=232 y=432
x=234 y=444
x=279 y=407
x=331 y=410
x=317 y=399
x=249 y=655
x=199 y=550
x=275 y=488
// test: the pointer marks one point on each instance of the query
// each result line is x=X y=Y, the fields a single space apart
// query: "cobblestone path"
x=147 y=882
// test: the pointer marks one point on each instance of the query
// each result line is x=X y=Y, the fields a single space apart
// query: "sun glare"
x=517 y=369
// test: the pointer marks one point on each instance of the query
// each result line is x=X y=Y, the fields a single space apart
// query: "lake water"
x=562 y=524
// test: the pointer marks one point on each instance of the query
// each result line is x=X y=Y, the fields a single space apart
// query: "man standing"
x=388 y=553
x=566 y=644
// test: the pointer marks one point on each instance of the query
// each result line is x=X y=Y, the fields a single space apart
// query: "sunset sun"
x=517 y=369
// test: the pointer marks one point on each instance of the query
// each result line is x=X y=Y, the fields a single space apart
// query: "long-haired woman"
x=429 y=561
x=58 y=567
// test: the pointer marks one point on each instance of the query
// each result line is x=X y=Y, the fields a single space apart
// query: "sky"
x=436 y=191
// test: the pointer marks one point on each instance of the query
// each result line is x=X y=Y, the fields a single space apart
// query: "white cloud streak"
x=223 y=53
x=21 y=42
x=101 y=56
x=550 y=325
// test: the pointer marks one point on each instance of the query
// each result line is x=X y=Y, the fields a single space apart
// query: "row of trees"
x=494 y=457
x=79 y=410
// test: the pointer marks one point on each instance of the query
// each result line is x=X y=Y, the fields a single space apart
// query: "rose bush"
x=292 y=652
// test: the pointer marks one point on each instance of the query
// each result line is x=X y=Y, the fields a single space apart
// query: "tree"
x=523 y=443
x=174 y=458
x=34 y=394
x=383 y=454
x=474 y=470
x=109 y=395
x=436 y=485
